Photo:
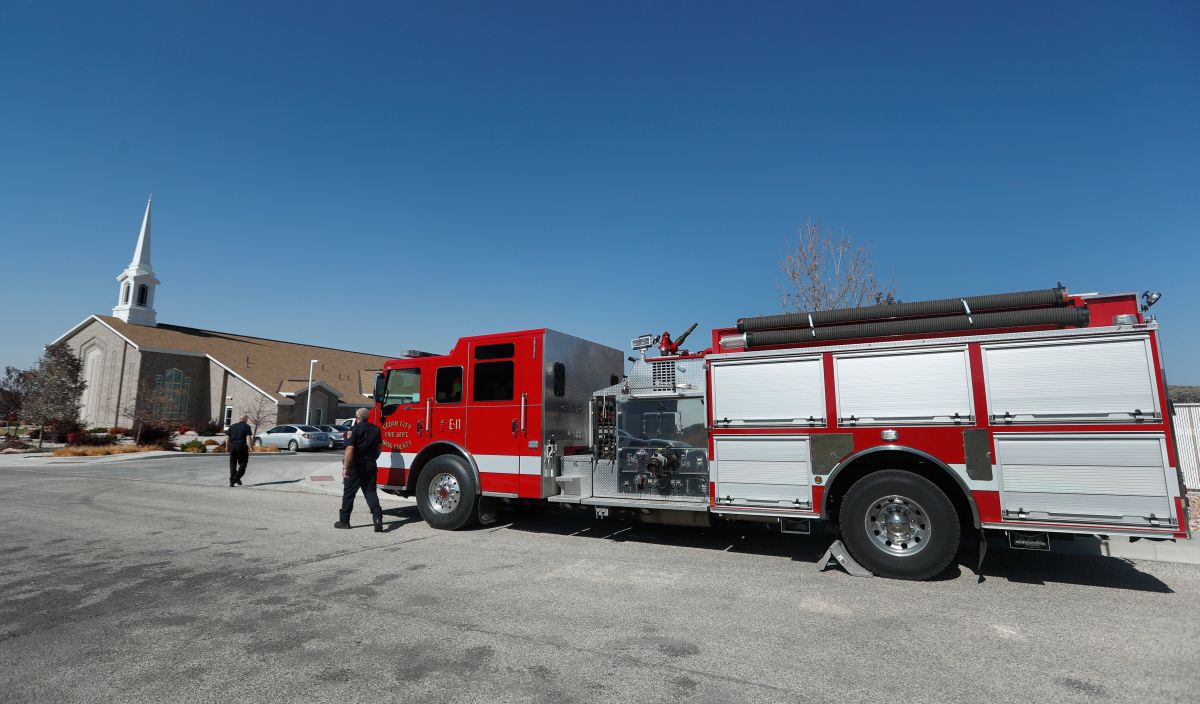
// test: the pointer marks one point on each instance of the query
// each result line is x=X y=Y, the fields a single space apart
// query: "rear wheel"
x=293 y=445
x=446 y=493
x=898 y=524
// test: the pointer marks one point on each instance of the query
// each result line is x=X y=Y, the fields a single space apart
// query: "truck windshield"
x=403 y=386
x=667 y=422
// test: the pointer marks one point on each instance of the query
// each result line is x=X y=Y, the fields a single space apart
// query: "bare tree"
x=261 y=412
x=827 y=272
x=152 y=407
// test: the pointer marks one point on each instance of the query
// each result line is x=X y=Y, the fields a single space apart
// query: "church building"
x=132 y=362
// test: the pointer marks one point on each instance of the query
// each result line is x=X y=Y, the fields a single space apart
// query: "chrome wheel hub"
x=444 y=493
x=897 y=525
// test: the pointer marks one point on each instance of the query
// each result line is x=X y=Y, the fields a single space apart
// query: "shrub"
x=99 y=450
x=35 y=433
x=12 y=442
x=211 y=427
x=59 y=430
x=194 y=446
x=154 y=434
x=97 y=430
x=183 y=429
x=265 y=448
x=210 y=442
x=220 y=448
x=118 y=430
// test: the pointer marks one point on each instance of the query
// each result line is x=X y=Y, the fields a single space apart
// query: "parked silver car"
x=295 y=437
x=338 y=435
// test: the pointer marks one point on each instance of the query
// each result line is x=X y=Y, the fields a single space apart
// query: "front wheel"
x=446 y=493
x=258 y=442
x=898 y=524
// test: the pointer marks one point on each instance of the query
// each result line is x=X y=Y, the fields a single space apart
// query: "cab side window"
x=493 y=380
x=448 y=386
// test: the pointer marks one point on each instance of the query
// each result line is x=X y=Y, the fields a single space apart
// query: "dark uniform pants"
x=238 y=458
x=362 y=476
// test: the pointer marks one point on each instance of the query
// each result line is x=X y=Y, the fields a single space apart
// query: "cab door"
x=404 y=410
x=447 y=422
x=499 y=428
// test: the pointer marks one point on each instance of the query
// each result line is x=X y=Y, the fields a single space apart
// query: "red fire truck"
x=906 y=427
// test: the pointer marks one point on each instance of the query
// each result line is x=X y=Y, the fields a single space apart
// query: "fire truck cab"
x=491 y=418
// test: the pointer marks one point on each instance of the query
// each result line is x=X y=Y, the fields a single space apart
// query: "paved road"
x=136 y=582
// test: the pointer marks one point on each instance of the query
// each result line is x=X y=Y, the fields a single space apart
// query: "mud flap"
x=982 y=554
x=487 y=508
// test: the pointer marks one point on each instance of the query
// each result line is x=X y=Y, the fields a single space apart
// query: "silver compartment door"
x=764 y=471
x=768 y=392
x=1100 y=380
x=1117 y=479
x=921 y=387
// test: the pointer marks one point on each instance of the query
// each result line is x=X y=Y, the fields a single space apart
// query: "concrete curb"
x=141 y=456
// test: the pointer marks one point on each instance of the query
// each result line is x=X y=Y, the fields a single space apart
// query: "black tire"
x=258 y=442
x=900 y=525
x=293 y=446
x=446 y=493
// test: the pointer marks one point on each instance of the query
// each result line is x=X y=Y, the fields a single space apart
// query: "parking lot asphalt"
x=137 y=582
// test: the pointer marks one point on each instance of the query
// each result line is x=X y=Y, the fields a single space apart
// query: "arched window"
x=90 y=412
x=143 y=293
x=125 y=294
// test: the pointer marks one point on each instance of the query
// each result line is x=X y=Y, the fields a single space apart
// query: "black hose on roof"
x=1043 y=298
x=1063 y=317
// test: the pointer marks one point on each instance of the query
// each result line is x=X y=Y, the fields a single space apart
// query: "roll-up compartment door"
x=1098 y=380
x=763 y=471
x=768 y=392
x=920 y=387
x=1117 y=479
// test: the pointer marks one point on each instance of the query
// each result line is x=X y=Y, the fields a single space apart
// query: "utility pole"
x=308 y=396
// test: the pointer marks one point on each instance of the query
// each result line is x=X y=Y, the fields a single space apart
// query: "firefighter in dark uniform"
x=358 y=470
x=238 y=445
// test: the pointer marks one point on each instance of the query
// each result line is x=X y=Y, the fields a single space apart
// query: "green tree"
x=14 y=389
x=56 y=388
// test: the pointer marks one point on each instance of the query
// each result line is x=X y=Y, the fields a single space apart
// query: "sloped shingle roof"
x=275 y=367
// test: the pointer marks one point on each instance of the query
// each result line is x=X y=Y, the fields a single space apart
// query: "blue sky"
x=384 y=176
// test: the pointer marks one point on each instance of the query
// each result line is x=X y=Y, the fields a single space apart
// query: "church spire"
x=135 y=285
x=141 y=255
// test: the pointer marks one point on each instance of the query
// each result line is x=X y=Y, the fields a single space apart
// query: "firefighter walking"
x=238 y=445
x=358 y=470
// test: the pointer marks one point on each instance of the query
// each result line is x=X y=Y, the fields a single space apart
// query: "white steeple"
x=135 y=285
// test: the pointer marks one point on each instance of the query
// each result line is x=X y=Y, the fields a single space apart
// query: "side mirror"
x=380 y=387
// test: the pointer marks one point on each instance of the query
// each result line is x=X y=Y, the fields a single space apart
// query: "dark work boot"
x=342 y=524
x=378 y=524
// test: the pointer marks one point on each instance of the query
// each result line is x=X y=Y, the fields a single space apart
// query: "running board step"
x=641 y=503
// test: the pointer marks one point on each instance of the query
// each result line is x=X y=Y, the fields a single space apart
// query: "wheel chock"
x=837 y=554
